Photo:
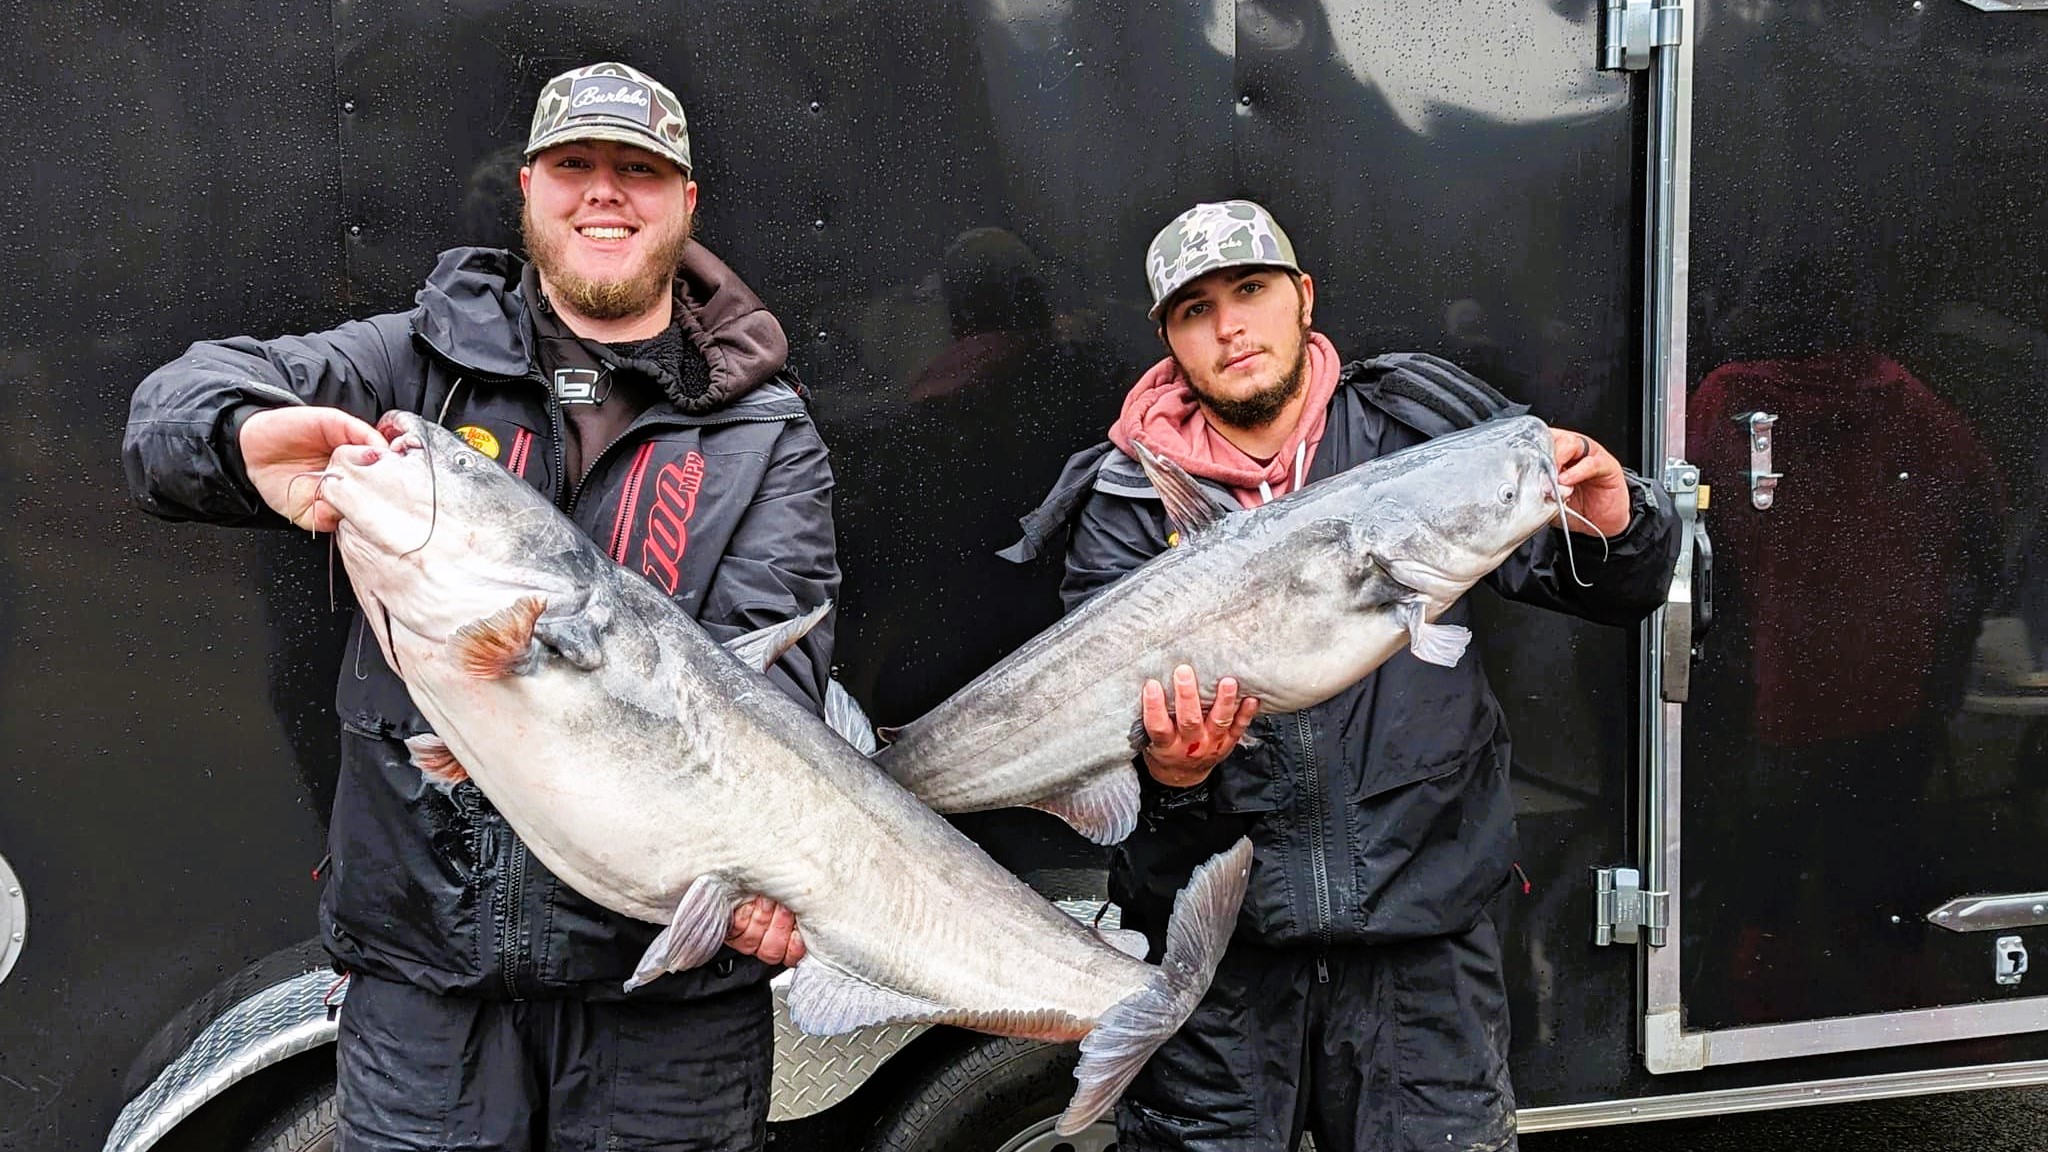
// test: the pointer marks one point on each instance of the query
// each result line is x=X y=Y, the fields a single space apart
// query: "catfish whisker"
x=434 y=495
x=1564 y=514
x=319 y=477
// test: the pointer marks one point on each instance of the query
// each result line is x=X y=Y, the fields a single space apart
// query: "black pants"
x=1404 y=1048
x=422 y=1071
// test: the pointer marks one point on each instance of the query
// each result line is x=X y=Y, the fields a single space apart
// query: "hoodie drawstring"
x=1300 y=457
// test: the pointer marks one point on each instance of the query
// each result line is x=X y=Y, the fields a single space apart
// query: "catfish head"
x=436 y=535
x=1464 y=503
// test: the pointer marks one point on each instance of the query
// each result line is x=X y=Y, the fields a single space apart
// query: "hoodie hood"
x=472 y=312
x=1161 y=411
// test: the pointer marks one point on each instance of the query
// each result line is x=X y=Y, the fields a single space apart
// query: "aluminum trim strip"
x=1771 y=1096
x=1990 y=913
x=1878 y=1030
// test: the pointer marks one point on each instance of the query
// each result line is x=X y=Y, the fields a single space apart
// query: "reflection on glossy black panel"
x=1471 y=194
x=1869 y=731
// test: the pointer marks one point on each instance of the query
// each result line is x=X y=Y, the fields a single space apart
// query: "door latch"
x=1763 y=483
x=2009 y=959
x=1682 y=621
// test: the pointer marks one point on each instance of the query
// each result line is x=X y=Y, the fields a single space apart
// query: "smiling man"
x=1361 y=997
x=632 y=377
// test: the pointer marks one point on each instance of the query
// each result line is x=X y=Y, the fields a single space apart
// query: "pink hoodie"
x=1161 y=411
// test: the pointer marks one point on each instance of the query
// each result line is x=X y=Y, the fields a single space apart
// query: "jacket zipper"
x=515 y=918
x=1312 y=778
x=629 y=501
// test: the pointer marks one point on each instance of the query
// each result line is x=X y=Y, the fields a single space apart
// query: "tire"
x=306 y=1124
x=999 y=1095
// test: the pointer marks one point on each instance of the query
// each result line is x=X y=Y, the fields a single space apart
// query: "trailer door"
x=1852 y=372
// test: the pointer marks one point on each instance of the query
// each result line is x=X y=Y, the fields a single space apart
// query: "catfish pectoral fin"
x=501 y=644
x=1439 y=644
x=436 y=761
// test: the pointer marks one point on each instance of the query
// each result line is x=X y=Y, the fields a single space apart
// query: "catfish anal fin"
x=825 y=1000
x=1105 y=810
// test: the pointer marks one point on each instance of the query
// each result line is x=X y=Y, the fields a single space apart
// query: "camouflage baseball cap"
x=1202 y=239
x=610 y=102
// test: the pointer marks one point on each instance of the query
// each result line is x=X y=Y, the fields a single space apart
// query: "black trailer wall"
x=946 y=203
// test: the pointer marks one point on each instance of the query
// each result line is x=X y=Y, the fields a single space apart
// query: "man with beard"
x=632 y=377
x=1361 y=997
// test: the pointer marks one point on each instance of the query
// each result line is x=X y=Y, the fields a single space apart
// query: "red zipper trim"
x=629 y=501
x=515 y=461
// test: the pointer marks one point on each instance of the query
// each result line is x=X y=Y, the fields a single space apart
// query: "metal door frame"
x=1664 y=1041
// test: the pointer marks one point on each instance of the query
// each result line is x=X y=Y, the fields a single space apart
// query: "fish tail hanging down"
x=1204 y=914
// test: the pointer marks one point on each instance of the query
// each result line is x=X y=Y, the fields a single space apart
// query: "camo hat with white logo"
x=611 y=102
x=1202 y=239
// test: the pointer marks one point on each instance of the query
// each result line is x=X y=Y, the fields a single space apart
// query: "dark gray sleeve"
x=1112 y=535
x=783 y=562
x=1621 y=589
x=181 y=450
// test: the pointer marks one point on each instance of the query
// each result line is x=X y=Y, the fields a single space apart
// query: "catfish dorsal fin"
x=762 y=647
x=1190 y=508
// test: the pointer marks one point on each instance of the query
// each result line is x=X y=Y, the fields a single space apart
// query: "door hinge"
x=1621 y=909
x=1634 y=29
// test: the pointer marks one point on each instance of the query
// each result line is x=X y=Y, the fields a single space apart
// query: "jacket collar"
x=473 y=313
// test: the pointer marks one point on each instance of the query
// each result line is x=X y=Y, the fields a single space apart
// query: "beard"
x=1261 y=407
x=606 y=299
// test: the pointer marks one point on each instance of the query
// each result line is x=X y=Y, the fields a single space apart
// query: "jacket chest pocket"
x=1427 y=721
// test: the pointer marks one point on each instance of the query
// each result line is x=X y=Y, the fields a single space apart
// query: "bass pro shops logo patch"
x=479 y=439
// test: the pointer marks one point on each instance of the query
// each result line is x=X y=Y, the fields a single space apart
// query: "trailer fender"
x=269 y=1027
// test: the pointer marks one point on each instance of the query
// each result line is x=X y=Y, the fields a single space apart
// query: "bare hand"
x=1593 y=478
x=1187 y=745
x=285 y=449
x=764 y=929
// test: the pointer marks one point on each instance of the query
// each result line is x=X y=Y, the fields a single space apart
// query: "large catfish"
x=662 y=775
x=1298 y=600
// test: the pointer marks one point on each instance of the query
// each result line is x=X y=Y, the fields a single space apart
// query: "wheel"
x=306 y=1124
x=998 y=1096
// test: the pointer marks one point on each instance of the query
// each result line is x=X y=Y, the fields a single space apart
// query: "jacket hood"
x=473 y=313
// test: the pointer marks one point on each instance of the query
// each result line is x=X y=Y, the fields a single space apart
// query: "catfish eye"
x=463 y=461
x=1508 y=493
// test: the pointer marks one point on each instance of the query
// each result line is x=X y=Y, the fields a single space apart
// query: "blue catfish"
x=1298 y=600
x=663 y=776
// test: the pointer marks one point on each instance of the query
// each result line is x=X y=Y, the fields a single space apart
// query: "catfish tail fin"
x=1204 y=914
